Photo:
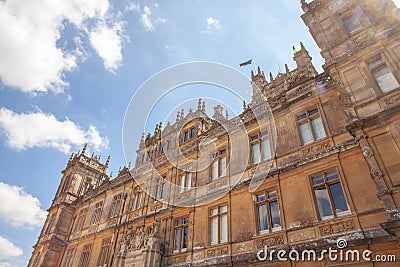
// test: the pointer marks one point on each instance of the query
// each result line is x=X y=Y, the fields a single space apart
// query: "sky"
x=69 y=68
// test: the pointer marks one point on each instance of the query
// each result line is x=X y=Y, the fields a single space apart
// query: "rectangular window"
x=260 y=147
x=80 y=220
x=219 y=225
x=185 y=136
x=268 y=217
x=137 y=198
x=192 y=133
x=97 y=213
x=383 y=76
x=84 y=261
x=218 y=166
x=181 y=234
x=104 y=252
x=115 y=206
x=69 y=257
x=186 y=180
x=310 y=126
x=329 y=195
x=159 y=186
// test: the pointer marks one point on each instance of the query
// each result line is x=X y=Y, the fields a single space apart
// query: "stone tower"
x=81 y=174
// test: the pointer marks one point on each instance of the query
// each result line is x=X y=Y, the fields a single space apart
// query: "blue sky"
x=68 y=70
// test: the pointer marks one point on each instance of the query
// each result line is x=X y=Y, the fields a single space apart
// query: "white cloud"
x=8 y=249
x=38 y=129
x=397 y=3
x=107 y=41
x=145 y=17
x=29 y=31
x=212 y=24
x=133 y=6
x=6 y=264
x=19 y=208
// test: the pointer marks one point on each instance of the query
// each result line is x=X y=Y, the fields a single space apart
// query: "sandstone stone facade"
x=335 y=172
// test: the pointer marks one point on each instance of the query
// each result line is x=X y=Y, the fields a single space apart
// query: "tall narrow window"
x=137 y=198
x=115 y=206
x=218 y=166
x=329 y=195
x=97 y=213
x=186 y=179
x=85 y=256
x=383 y=76
x=159 y=186
x=104 y=252
x=181 y=234
x=80 y=220
x=185 y=136
x=268 y=218
x=219 y=225
x=260 y=147
x=69 y=257
x=310 y=126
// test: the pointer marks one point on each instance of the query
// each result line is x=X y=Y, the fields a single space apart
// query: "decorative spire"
x=304 y=5
x=244 y=105
x=108 y=158
x=199 y=104
x=252 y=74
x=182 y=113
x=84 y=149
x=226 y=114
x=203 y=107
x=302 y=46
x=70 y=158
x=156 y=129
x=160 y=128
x=178 y=116
x=294 y=51
x=271 y=79
x=190 y=111
x=287 y=69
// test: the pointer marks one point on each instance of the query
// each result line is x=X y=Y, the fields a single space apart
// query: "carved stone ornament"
x=367 y=152
x=336 y=228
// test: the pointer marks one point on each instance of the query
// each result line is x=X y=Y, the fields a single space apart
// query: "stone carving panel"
x=336 y=228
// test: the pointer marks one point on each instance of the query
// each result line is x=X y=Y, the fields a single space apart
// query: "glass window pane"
x=260 y=198
x=265 y=133
x=254 y=137
x=306 y=133
x=318 y=180
x=177 y=239
x=332 y=176
x=312 y=112
x=214 y=169
x=318 y=128
x=189 y=180
x=182 y=183
x=274 y=214
x=265 y=149
x=272 y=194
x=224 y=228
x=339 y=201
x=185 y=237
x=262 y=217
x=322 y=197
x=387 y=82
x=214 y=230
x=256 y=153
x=222 y=167
x=222 y=152
x=192 y=133
x=224 y=209
x=214 y=212
x=301 y=117
x=186 y=136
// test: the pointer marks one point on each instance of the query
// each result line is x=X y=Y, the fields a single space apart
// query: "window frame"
x=384 y=63
x=186 y=179
x=115 y=207
x=259 y=137
x=267 y=200
x=97 y=212
x=221 y=154
x=326 y=185
x=69 y=257
x=181 y=228
x=137 y=199
x=159 y=188
x=105 y=252
x=219 y=216
x=80 y=220
x=308 y=119
x=84 y=262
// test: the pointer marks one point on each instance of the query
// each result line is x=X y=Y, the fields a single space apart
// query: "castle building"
x=335 y=172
